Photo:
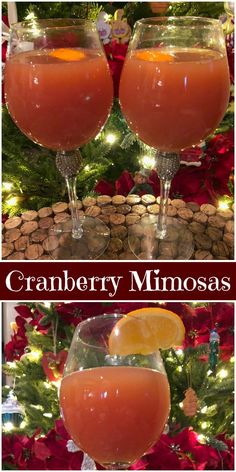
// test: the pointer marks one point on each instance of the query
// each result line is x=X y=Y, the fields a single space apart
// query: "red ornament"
x=53 y=364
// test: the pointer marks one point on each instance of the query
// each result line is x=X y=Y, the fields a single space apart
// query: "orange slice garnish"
x=146 y=330
x=67 y=54
x=152 y=55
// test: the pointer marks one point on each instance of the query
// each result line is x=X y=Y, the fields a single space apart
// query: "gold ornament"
x=120 y=29
x=190 y=402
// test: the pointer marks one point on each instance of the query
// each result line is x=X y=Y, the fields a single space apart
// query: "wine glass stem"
x=77 y=229
x=162 y=217
x=167 y=165
x=68 y=164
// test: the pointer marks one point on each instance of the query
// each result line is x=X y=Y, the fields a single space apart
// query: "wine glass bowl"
x=114 y=406
x=59 y=93
x=174 y=91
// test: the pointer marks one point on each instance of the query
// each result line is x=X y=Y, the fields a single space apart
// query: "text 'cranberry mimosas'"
x=174 y=97
x=59 y=98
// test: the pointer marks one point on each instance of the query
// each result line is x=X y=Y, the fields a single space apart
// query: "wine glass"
x=59 y=93
x=113 y=406
x=174 y=91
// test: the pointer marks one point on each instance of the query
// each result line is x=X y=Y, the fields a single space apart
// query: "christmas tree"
x=30 y=178
x=200 y=372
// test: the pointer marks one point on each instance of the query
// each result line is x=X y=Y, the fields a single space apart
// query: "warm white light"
x=204 y=409
x=201 y=438
x=37 y=407
x=30 y=16
x=87 y=167
x=23 y=424
x=222 y=374
x=11 y=364
x=232 y=359
x=8 y=426
x=223 y=205
x=204 y=425
x=179 y=352
x=47 y=304
x=11 y=201
x=56 y=383
x=111 y=138
x=47 y=385
x=209 y=372
x=7 y=186
x=181 y=404
x=48 y=415
x=147 y=161
x=179 y=368
x=34 y=355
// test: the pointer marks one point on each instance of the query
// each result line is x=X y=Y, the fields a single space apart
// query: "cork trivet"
x=79 y=205
x=13 y=222
x=93 y=211
x=119 y=231
x=33 y=251
x=103 y=200
x=200 y=254
x=178 y=203
x=208 y=209
x=22 y=243
x=16 y=256
x=59 y=207
x=46 y=222
x=148 y=199
x=50 y=243
x=29 y=215
x=117 y=219
x=61 y=217
x=229 y=227
x=115 y=245
x=193 y=206
x=226 y=214
x=29 y=227
x=7 y=248
x=45 y=211
x=207 y=230
x=124 y=209
x=153 y=209
x=39 y=235
x=158 y=200
x=131 y=219
x=200 y=217
x=118 y=200
x=216 y=221
x=133 y=199
x=185 y=213
x=12 y=235
x=108 y=210
x=171 y=211
x=139 y=209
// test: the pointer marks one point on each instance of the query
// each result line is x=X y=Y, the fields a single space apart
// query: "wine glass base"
x=117 y=465
x=146 y=242
x=91 y=245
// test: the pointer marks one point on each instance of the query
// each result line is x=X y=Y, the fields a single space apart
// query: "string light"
x=87 y=167
x=47 y=415
x=201 y=438
x=11 y=364
x=147 y=161
x=47 y=304
x=181 y=405
x=222 y=374
x=204 y=425
x=12 y=201
x=8 y=427
x=223 y=205
x=179 y=368
x=7 y=186
x=232 y=359
x=111 y=138
x=23 y=424
x=179 y=352
x=204 y=409
x=34 y=355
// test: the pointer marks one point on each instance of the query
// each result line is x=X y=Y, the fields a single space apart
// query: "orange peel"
x=145 y=331
x=67 y=54
x=153 y=55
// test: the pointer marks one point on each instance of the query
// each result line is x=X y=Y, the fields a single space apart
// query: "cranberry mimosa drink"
x=61 y=97
x=59 y=92
x=115 y=413
x=174 y=91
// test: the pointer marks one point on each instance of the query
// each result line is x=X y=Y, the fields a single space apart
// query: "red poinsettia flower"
x=115 y=53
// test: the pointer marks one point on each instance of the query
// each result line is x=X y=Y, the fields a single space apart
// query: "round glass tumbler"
x=174 y=91
x=59 y=93
x=114 y=406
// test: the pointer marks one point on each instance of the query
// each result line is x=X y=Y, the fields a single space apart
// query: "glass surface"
x=114 y=407
x=174 y=91
x=59 y=93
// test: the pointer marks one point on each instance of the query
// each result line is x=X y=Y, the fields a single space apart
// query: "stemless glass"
x=59 y=93
x=174 y=91
x=114 y=406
